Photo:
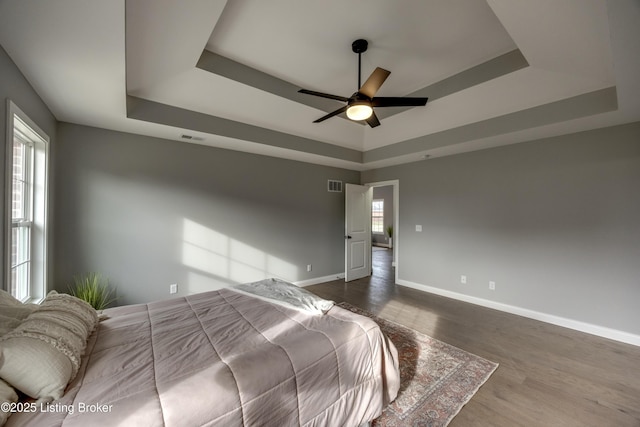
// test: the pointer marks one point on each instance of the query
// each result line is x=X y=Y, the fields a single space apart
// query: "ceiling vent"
x=191 y=137
x=334 y=186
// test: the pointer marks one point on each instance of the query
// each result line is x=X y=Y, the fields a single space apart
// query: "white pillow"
x=12 y=312
x=7 y=395
x=44 y=352
x=7 y=323
x=35 y=368
x=7 y=299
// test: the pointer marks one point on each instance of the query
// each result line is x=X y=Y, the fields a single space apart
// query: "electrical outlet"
x=419 y=228
x=309 y=267
x=463 y=279
x=173 y=289
x=492 y=285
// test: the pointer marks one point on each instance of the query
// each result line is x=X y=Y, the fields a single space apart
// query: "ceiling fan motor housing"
x=358 y=98
x=359 y=46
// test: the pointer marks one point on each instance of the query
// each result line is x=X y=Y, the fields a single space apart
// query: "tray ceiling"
x=227 y=73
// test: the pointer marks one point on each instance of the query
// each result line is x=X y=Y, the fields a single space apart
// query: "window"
x=377 y=216
x=21 y=215
x=27 y=149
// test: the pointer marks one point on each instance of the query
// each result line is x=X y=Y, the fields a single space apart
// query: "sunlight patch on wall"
x=226 y=261
x=197 y=283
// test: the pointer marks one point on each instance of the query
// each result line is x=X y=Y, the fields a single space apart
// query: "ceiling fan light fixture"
x=359 y=106
x=359 y=112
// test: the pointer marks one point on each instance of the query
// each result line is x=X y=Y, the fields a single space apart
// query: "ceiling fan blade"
x=324 y=95
x=398 y=102
x=373 y=120
x=333 y=113
x=373 y=83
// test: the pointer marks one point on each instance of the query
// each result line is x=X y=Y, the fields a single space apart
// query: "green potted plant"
x=94 y=289
x=390 y=234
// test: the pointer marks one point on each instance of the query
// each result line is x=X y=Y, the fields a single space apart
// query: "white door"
x=357 y=232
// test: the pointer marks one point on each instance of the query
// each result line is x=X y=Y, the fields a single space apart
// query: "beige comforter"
x=228 y=359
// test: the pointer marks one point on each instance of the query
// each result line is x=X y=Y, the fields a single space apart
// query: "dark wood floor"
x=548 y=375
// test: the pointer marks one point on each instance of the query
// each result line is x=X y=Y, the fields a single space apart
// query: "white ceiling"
x=140 y=66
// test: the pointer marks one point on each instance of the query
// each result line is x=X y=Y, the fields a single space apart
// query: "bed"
x=224 y=358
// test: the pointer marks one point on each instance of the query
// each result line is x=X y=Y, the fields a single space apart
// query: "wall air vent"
x=334 y=186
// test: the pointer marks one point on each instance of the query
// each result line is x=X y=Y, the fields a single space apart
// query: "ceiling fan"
x=360 y=105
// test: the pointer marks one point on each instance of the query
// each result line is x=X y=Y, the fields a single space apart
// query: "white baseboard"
x=316 y=280
x=589 y=328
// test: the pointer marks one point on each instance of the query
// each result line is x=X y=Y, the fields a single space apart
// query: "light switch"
x=419 y=228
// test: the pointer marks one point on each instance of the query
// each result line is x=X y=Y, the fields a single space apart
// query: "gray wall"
x=149 y=212
x=15 y=87
x=555 y=223
x=385 y=193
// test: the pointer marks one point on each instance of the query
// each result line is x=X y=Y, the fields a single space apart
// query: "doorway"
x=384 y=229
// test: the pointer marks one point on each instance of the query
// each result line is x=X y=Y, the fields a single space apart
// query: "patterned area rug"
x=436 y=379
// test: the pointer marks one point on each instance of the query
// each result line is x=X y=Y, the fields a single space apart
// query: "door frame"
x=395 y=183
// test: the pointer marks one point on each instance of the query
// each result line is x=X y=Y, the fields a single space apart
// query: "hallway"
x=381 y=261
